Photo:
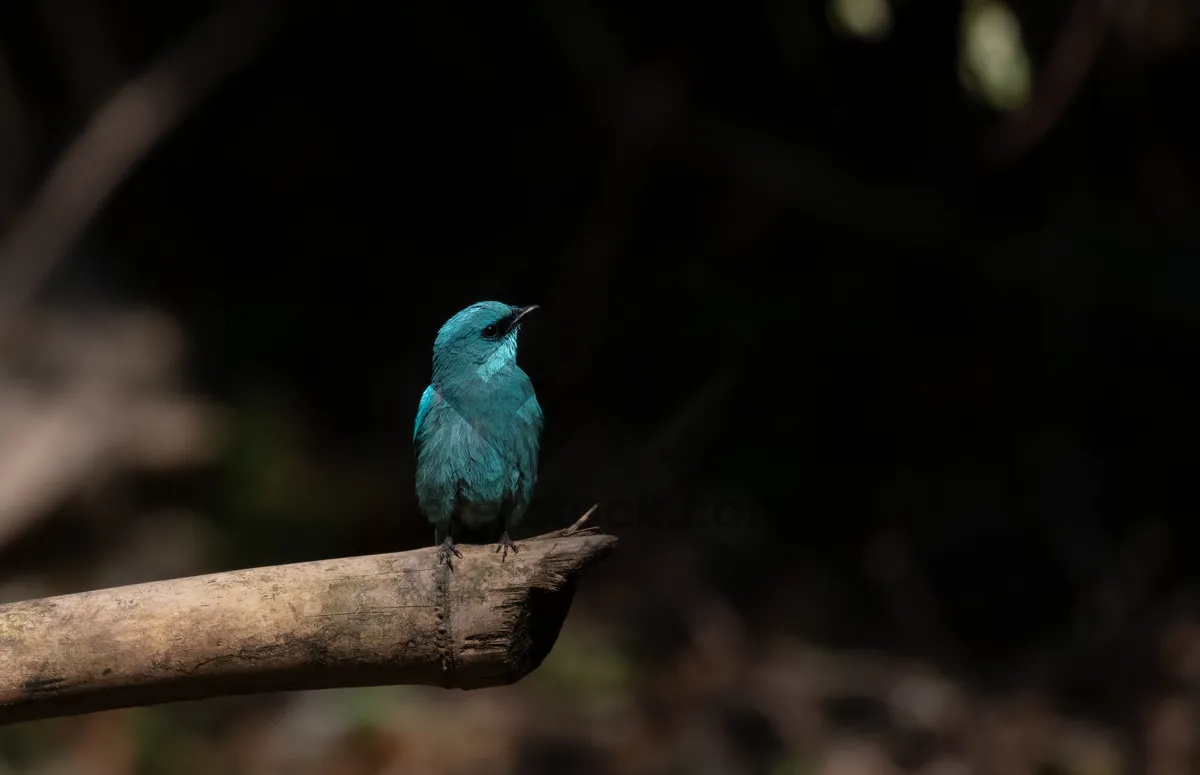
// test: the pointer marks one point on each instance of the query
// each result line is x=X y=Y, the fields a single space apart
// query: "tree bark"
x=358 y=621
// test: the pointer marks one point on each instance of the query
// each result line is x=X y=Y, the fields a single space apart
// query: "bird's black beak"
x=520 y=313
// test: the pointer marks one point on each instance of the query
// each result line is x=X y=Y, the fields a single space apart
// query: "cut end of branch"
x=501 y=618
x=548 y=600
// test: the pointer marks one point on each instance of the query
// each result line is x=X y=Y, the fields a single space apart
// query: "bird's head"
x=482 y=336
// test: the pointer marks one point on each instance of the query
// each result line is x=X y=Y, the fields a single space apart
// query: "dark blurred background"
x=870 y=325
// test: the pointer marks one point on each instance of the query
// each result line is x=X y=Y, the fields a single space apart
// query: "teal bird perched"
x=477 y=431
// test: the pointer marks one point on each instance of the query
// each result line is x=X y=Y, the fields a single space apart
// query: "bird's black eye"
x=490 y=330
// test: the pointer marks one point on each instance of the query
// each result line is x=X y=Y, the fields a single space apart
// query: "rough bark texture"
x=359 y=621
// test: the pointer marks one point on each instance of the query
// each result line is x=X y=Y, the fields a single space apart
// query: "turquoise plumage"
x=477 y=430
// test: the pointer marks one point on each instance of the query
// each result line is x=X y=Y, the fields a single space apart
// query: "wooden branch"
x=359 y=621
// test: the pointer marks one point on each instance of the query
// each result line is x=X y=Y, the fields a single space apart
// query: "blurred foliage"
x=994 y=62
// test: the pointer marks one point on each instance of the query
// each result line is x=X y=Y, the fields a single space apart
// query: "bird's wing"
x=531 y=412
x=540 y=418
x=427 y=399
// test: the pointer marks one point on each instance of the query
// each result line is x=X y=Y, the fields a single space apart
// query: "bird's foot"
x=506 y=543
x=448 y=548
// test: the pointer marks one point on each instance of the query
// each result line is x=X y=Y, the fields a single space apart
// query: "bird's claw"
x=506 y=543
x=448 y=548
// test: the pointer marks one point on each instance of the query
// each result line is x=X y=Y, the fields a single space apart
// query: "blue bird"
x=477 y=430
